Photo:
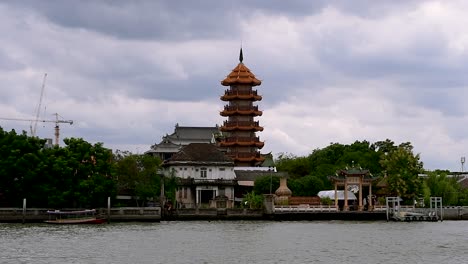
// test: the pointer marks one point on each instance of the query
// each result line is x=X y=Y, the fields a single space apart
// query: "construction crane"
x=38 y=109
x=57 y=121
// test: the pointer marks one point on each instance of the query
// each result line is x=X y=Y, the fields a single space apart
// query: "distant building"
x=182 y=136
x=206 y=176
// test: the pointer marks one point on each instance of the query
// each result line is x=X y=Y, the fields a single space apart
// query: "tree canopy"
x=79 y=174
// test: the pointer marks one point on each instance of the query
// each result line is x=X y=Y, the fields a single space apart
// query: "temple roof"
x=241 y=75
x=200 y=152
x=185 y=135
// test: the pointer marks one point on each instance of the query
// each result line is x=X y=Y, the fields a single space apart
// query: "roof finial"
x=241 y=56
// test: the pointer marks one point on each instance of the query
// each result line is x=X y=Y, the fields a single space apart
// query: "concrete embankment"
x=154 y=214
x=121 y=214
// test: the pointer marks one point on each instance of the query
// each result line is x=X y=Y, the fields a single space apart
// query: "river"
x=237 y=242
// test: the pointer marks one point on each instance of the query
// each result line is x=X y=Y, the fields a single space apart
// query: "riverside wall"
x=155 y=214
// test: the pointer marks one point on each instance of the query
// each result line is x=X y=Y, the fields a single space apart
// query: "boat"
x=74 y=217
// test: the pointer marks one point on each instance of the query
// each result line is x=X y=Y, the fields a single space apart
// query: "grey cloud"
x=182 y=20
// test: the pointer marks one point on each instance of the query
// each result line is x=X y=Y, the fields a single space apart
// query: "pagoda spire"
x=241 y=56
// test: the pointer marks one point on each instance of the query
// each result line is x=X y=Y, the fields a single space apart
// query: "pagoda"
x=239 y=130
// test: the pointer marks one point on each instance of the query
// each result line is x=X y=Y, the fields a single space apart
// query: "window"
x=222 y=169
x=185 y=193
x=203 y=172
x=222 y=191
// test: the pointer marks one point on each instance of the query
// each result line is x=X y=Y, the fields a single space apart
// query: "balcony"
x=241 y=110
x=241 y=95
x=246 y=156
x=195 y=182
x=242 y=141
x=241 y=125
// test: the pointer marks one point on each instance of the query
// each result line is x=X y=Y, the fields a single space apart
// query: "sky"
x=126 y=72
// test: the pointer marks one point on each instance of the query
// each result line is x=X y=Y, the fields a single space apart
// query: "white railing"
x=305 y=208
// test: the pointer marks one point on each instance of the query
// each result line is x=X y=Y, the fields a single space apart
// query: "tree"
x=309 y=185
x=138 y=174
x=253 y=200
x=402 y=168
x=440 y=185
x=92 y=170
x=20 y=158
x=262 y=184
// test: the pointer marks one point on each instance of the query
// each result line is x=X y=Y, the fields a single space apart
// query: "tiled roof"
x=244 y=175
x=203 y=134
x=200 y=152
x=241 y=75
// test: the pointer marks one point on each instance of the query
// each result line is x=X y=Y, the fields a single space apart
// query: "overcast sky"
x=332 y=71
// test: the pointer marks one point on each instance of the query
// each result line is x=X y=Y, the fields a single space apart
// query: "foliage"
x=306 y=186
x=326 y=201
x=77 y=175
x=170 y=187
x=20 y=159
x=402 y=168
x=262 y=184
x=439 y=185
x=253 y=200
x=322 y=163
x=137 y=174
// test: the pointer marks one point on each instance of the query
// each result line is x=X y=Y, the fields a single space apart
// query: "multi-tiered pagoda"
x=240 y=139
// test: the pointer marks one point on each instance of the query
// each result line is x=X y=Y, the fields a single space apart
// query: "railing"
x=242 y=139
x=304 y=208
x=240 y=108
x=244 y=154
x=230 y=92
x=192 y=181
x=241 y=123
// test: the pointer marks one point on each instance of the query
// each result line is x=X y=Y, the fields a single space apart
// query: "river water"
x=237 y=242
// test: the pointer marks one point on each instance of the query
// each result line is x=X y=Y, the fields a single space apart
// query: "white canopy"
x=331 y=194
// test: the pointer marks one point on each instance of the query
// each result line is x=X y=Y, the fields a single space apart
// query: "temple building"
x=354 y=179
x=182 y=136
x=239 y=139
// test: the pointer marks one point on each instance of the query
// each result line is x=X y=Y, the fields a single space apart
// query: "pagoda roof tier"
x=241 y=125
x=242 y=141
x=239 y=110
x=241 y=75
x=246 y=156
x=241 y=95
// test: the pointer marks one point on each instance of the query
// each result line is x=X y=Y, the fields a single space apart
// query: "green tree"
x=20 y=157
x=306 y=186
x=253 y=200
x=262 y=184
x=440 y=185
x=92 y=168
x=137 y=174
x=402 y=168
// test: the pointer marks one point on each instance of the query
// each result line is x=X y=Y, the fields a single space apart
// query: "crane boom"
x=56 y=121
x=38 y=110
x=45 y=121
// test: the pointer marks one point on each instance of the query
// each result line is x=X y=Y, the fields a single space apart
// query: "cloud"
x=332 y=71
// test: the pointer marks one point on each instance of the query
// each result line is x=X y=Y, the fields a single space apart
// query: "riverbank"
x=155 y=214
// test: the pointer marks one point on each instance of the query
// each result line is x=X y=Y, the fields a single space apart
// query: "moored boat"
x=74 y=217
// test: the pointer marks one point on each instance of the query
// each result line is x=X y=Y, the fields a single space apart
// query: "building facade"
x=205 y=175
